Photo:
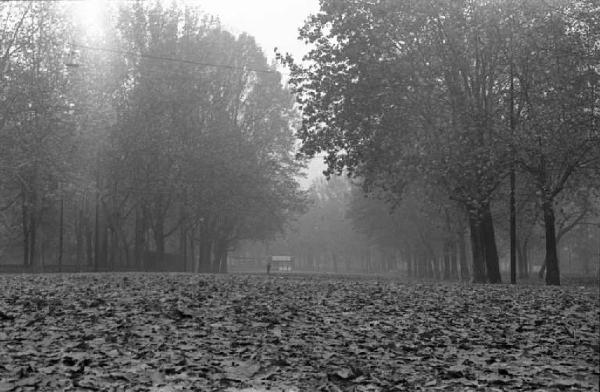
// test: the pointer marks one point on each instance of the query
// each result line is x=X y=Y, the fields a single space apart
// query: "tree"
x=396 y=91
x=213 y=162
x=36 y=125
x=456 y=93
x=557 y=79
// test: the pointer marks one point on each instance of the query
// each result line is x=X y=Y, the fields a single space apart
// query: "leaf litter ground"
x=170 y=332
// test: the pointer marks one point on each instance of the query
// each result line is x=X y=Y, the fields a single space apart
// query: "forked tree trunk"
x=551 y=260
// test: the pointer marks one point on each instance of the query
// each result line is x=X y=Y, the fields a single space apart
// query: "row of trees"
x=165 y=133
x=344 y=231
x=455 y=98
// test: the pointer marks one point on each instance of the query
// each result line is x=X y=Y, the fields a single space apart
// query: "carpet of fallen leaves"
x=170 y=332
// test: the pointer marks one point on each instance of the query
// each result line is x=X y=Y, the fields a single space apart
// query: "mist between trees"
x=165 y=139
x=426 y=238
x=437 y=107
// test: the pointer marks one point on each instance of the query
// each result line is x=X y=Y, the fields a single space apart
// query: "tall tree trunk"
x=97 y=234
x=79 y=236
x=334 y=261
x=32 y=238
x=26 y=232
x=204 y=256
x=523 y=261
x=89 y=254
x=192 y=250
x=220 y=264
x=159 y=239
x=104 y=252
x=453 y=260
x=491 y=252
x=41 y=241
x=418 y=265
x=61 y=234
x=113 y=248
x=409 y=264
x=447 y=260
x=183 y=246
x=477 y=248
x=425 y=265
x=89 y=241
x=462 y=256
x=551 y=260
x=429 y=270
x=138 y=245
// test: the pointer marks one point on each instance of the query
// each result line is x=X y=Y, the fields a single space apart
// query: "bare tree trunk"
x=26 y=232
x=61 y=234
x=41 y=249
x=104 y=252
x=429 y=272
x=97 y=234
x=138 y=244
x=89 y=243
x=220 y=251
x=462 y=256
x=491 y=252
x=523 y=264
x=551 y=260
x=183 y=246
x=192 y=251
x=32 y=238
x=447 y=260
x=453 y=261
x=79 y=236
x=159 y=238
x=477 y=249
x=334 y=261
x=204 y=256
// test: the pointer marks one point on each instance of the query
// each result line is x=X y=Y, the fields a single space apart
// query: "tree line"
x=459 y=103
x=163 y=134
x=425 y=237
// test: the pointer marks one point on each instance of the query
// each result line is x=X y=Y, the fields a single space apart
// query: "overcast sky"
x=274 y=23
